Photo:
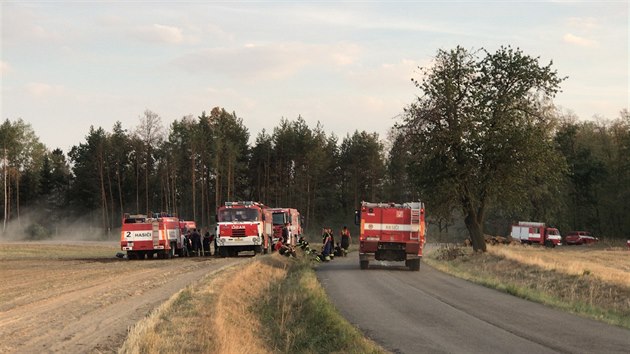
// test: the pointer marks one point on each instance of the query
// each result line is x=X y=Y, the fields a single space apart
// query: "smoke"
x=39 y=226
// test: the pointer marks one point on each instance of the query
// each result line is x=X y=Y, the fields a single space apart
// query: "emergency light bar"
x=244 y=203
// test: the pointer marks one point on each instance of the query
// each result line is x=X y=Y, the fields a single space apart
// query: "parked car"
x=579 y=238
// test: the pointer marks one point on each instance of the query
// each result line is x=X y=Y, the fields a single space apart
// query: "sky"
x=66 y=66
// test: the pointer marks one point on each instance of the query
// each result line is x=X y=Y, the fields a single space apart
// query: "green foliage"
x=482 y=141
x=482 y=133
x=299 y=318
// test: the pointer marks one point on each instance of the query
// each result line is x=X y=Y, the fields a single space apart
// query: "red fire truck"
x=241 y=227
x=279 y=217
x=391 y=232
x=143 y=236
x=530 y=232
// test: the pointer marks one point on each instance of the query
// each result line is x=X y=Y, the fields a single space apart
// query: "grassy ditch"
x=548 y=276
x=271 y=304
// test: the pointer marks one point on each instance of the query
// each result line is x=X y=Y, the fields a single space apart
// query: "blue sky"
x=68 y=65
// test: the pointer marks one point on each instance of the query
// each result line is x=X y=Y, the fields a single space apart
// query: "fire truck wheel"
x=223 y=252
x=364 y=264
x=550 y=244
x=414 y=264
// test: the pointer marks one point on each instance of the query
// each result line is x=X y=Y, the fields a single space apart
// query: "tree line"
x=482 y=143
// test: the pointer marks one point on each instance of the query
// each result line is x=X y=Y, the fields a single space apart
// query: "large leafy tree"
x=482 y=131
x=21 y=156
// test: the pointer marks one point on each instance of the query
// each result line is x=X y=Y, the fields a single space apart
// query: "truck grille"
x=238 y=232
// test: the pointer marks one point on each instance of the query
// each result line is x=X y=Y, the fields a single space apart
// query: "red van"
x=579 y=238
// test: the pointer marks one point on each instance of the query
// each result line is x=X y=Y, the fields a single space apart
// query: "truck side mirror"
x=357 y=217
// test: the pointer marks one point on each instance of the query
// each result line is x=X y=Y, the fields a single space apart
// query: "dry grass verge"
x=272 y=304
x=575 y=281
x=212 y=316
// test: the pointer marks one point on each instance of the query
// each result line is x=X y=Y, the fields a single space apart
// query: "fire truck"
x=279 y=217
x=144 y=236
x=241 y=226
x=391 y=232
x=536 y=233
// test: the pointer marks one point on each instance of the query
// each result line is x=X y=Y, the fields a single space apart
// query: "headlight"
x=221 y=242
x=256 y=240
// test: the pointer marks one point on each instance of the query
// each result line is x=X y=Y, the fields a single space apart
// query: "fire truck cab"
x=391 y=232
x=143 y=236
x=241 y=227
x=280 y=216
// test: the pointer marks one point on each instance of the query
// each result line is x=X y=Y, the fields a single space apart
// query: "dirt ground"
x=80 y=298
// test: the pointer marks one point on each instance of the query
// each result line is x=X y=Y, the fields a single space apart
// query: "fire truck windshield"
x=238 y=215
x=278 y=219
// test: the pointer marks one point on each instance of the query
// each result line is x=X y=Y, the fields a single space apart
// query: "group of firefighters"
x=329 y=250
x=196 y=245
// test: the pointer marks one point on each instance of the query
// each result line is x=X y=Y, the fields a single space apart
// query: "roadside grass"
x=271 y=304
x=38 y=250
x=298 y=317
x=571 y=280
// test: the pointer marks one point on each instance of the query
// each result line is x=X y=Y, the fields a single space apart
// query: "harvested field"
x=79 y=298
x=610 y=264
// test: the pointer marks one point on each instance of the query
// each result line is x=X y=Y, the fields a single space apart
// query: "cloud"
x=159 y=33
x=40 y=89
x=270 y=61
x=583 y=23
x=580 y=41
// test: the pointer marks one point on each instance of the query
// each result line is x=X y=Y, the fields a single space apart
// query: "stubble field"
x=77 y=297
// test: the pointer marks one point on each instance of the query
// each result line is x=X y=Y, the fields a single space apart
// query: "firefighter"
x=326 y=245
x=187 y=245
x=284 y=249
x=216 y=245
x=285 y=233
x=206 y=244
x=345 y=240
x=196 y=242
x=332 y=243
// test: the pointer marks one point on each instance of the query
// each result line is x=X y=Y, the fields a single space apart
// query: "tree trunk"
x=120 y=198
x=146 y=181
x=193 y=181
x=17 y=195
x=5 y=189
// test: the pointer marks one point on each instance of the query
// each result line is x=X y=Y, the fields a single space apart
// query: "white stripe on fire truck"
x=392 y=227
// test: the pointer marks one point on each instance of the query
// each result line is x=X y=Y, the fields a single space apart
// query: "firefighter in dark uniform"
x=345 y=240
x=206 y=244
x=285 y=233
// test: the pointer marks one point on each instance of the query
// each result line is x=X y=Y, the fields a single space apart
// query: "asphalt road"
x=431 y=312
